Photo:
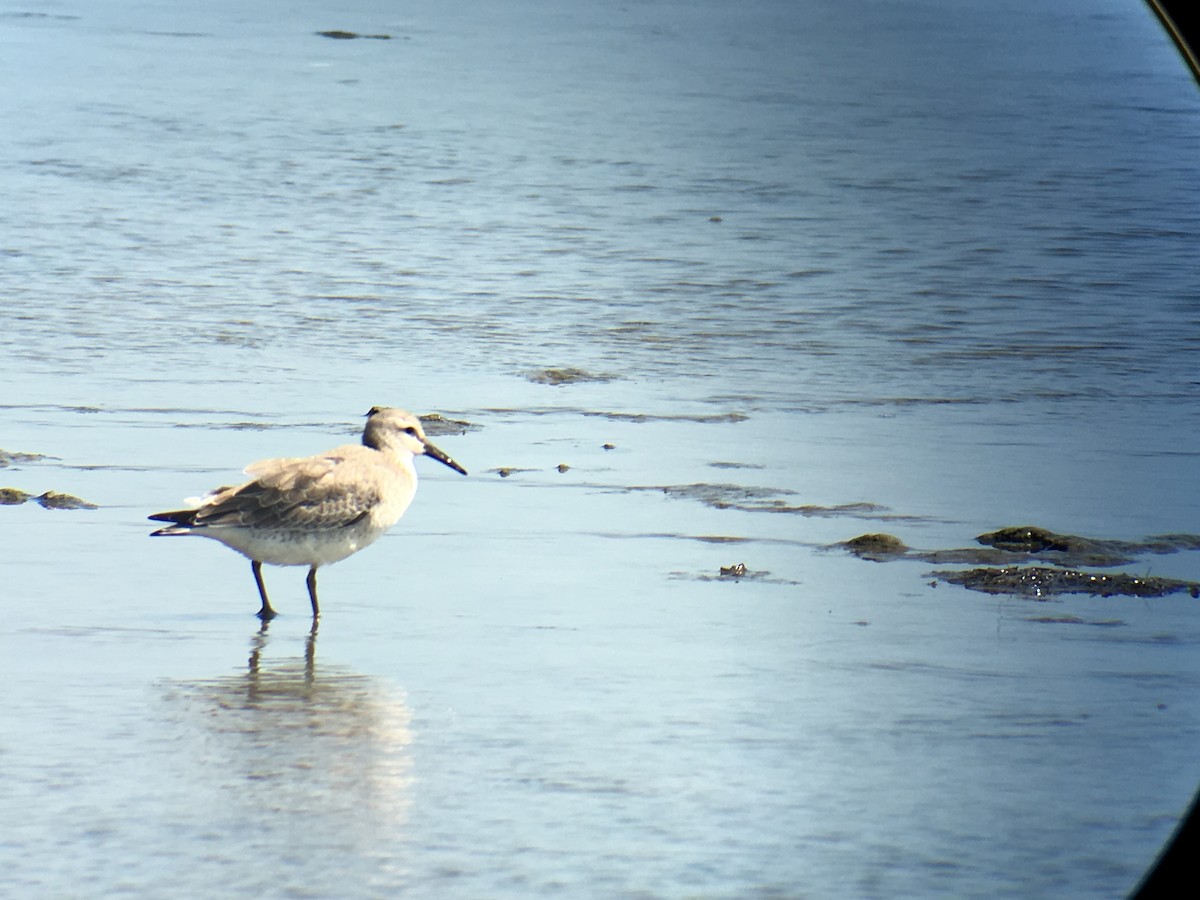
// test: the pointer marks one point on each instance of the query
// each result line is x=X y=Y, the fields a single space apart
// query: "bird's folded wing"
x=316 y=493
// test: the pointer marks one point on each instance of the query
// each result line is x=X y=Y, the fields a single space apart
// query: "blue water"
x=927 y=256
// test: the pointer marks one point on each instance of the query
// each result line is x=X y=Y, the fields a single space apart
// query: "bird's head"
x=396 y=430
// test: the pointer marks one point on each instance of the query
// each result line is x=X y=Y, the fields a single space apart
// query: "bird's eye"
x=410 y=430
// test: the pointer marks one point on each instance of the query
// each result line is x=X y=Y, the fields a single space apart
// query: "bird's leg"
x=312 y=592
x=266 y=613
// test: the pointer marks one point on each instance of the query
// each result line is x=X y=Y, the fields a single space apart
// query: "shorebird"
x=315 y=510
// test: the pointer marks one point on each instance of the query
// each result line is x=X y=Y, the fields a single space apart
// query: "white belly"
x=291 y=548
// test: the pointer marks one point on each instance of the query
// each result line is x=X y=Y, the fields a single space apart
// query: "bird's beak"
x=441 y=457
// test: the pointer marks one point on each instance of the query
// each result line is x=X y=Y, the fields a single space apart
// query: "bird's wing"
x=312 y=493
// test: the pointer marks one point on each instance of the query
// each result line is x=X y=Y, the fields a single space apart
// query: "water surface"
x=924 y=268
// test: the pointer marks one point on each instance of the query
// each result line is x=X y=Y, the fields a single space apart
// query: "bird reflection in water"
x=258 y=643
x=292 y=743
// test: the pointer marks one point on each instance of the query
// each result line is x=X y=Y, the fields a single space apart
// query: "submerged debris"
x=1171 y=543
x=722 y=496
x=437 y=425
x=729 y=418
x=339 y=35
x=637 y=418
x=566 y=376
x=505 y=471
x=1076 y=620
x=15 y=457
x=749 y=498
x=1044 y=581
x=728 y=574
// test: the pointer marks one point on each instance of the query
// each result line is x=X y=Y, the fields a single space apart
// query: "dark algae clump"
x=1026 y=538
x=10 y=496
x=876 y=546
x=55 y=500
x=1035 y=562
x=1044 y=581
x=48 y=500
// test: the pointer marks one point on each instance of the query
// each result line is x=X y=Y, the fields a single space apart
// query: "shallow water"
x=920 y=271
